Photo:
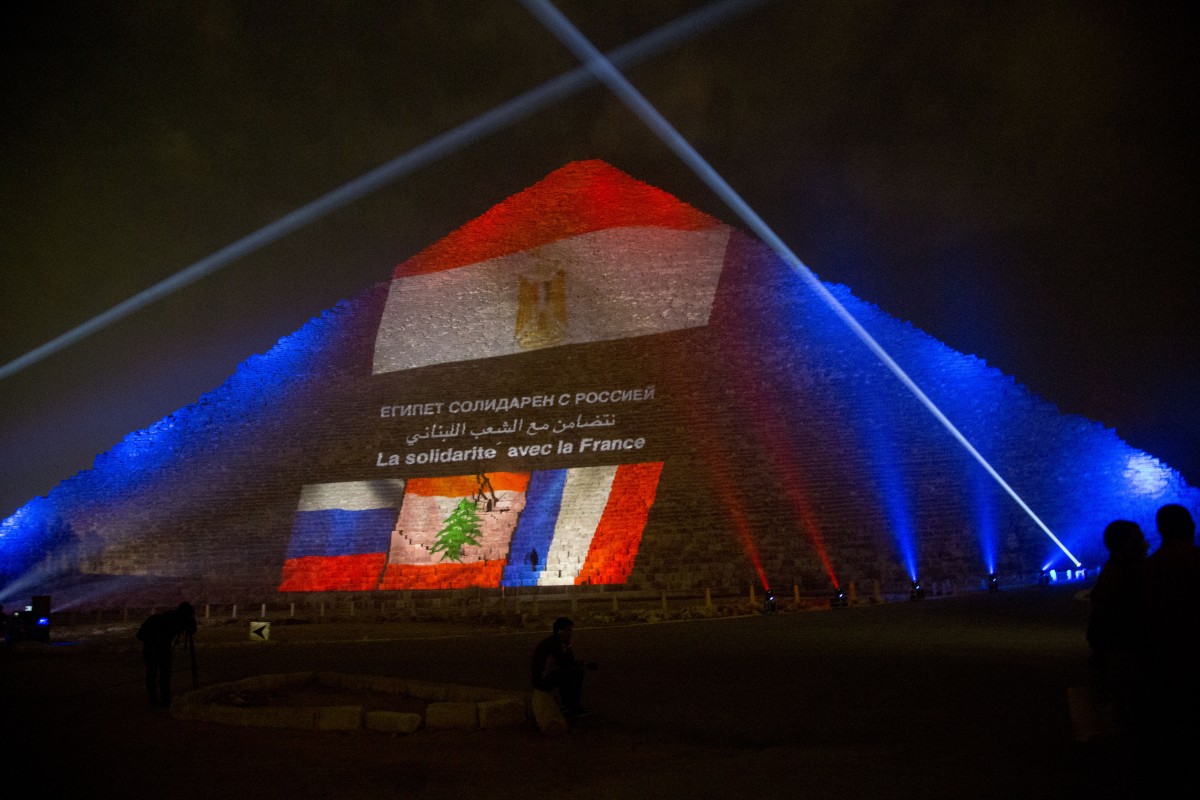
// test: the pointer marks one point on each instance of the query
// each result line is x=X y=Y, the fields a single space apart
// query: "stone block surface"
x=547 y=714
x=501 y=713
x=278 y=717
x=393 y=721
x=459 y=716
x=338 y=718
x=427 y=690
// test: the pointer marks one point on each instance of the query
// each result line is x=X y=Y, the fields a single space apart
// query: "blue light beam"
x=439 y=147
x=607 y=73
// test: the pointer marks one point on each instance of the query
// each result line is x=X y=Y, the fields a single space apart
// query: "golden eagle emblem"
x=541 y=307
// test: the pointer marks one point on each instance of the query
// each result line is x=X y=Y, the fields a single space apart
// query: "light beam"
x=436 y=148
x=606 y=72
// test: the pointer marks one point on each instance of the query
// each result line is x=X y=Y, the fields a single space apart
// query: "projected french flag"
x=582 y=525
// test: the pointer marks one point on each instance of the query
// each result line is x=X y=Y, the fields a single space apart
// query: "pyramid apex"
x=579 y=197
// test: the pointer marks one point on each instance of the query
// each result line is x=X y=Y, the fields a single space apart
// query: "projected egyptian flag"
x=340 y=536
x=582 y=525
x=586 y=255
x=454 y=533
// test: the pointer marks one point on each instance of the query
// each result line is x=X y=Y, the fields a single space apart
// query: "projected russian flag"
x=340 y=536
x=545 y=528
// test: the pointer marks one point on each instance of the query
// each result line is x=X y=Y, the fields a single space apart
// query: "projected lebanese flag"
x=588 y=254
x=454 y=532
x=340 y=536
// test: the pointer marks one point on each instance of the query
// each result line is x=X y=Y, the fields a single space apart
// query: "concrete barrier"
x=501 y=713
x=547 y=714
x=456 y=715
x=447 y=705
x=392 y=721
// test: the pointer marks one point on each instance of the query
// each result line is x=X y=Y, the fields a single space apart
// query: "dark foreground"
x=959 y=697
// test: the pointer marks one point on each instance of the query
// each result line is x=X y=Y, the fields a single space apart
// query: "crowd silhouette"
x=1144 y=635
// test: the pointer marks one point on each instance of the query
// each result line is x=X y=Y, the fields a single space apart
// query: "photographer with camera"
x=555 y=668
x=158 y=635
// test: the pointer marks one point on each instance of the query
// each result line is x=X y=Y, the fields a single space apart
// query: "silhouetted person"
x=1117 y=629
x=1173 y=574
x=532 y=558
x=555 y=668
x=157 y=635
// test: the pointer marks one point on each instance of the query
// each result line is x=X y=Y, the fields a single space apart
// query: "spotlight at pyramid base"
x=770 y=605
x=31 y=623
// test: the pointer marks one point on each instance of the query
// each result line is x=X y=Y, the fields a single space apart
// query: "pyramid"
x=593 y=383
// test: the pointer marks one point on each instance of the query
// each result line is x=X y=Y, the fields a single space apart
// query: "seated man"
x=554 y=667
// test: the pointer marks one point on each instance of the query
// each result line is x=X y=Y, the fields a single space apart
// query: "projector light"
x=769 y=605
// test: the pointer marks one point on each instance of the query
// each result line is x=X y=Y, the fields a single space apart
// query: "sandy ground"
x=958 y=697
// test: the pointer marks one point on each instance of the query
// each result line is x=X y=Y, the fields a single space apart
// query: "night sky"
x=1016 y=179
